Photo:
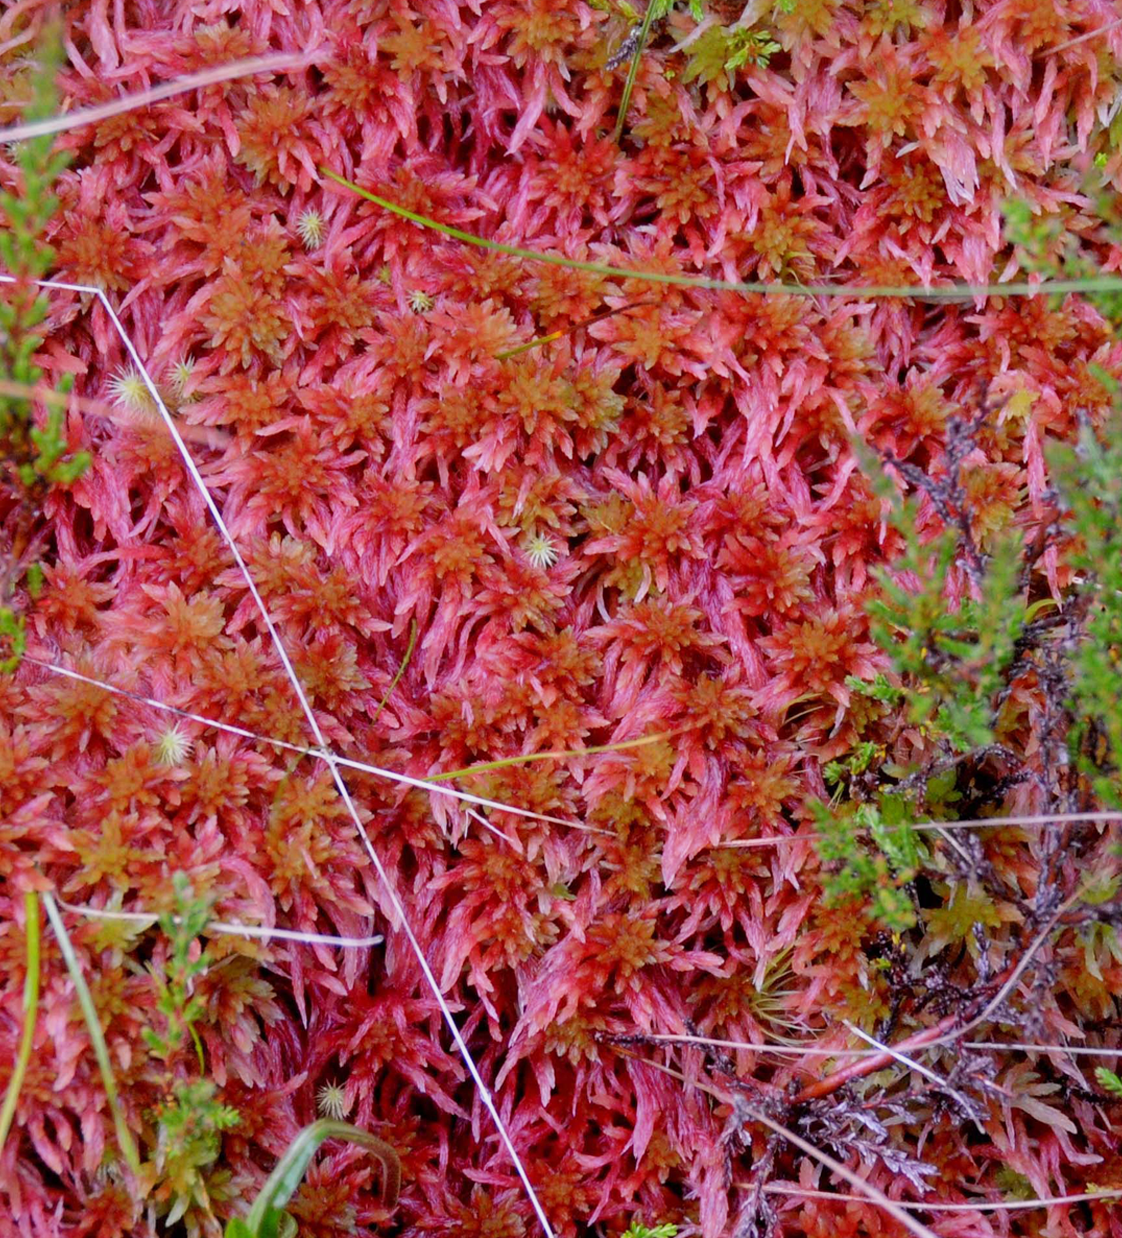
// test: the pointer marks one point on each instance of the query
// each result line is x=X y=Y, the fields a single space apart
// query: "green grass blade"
x=928 y=292
x=97 y=1039
x=576 y=326
x=265 y=1215
x=30 y=1012
x=633 y=68
x=535 y=343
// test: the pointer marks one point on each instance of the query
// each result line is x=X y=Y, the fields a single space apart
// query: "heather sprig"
x=191 y=1120
x=177 y=1001
x=950 y=668
x=638 y=1230
x=954 y=660
x=857 y=762
x=880 y=875
x=33 y=456
x=1089 y=479
x=189 y=1130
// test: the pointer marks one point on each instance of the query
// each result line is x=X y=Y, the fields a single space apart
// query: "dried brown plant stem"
x=877 y=1061
x=276 y=63
x=946 y=1030
x=795 y=1191
x=1083 y=38
x=870 y=1192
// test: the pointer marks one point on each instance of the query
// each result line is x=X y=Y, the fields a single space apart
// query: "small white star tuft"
x=173 y=747
x=331 y=1101
x=310 y=226
x=180 y=376
x=541 y=550
x=129 y=390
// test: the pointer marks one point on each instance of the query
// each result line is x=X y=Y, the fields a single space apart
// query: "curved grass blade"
x=927 y=292
x=400 y=670
x=267 y=1214
x=30 y=1012
x=97 y=1039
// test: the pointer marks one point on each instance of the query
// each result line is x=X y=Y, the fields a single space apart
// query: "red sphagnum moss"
x=710 y=548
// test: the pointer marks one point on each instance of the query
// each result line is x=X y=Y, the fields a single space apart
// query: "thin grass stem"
x=316 y=753
x=511 y=842
x=553 y=336
x=939 y=292
x=1083 y=38
x=1028 y=1047
x=262 y=931
x=871 y=1193
x=757 y=1046
x=143 y=98
x=396 y=915
x=926 y=1071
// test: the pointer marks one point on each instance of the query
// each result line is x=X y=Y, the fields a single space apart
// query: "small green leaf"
x=638 y=1230
x=13 y=640
x=1108 y=1080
